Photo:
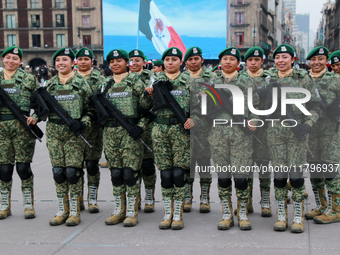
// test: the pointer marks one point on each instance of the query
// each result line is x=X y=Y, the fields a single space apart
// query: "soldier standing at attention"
x=199 y=76
x=92 y=156
x=123 y=150
x=254 y=59
x=230 y=146
x=158 y=66
x=324 y=141
x=17 y=143
x=136 y=58
x=335 y=61
x=285 y=149
x=171 y=142
x=66 y=149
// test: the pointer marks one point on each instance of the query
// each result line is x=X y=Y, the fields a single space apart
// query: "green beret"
x=64 y=52
x=157 y=63
x=231 y=51
x=318 y=51
x=193 y=51
x=136 y=53
x=254 y=52
x=84 y=52
x=335 y=57
x=284 y=48
x=173 y=51
x=117 y=54
x=215 y=68
x=13 y=50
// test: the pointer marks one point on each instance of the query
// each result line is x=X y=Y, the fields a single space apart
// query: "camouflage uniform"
x=121 y=150
x=66 y=150
x=324 y=142
x=171 y=143
x=17 y=143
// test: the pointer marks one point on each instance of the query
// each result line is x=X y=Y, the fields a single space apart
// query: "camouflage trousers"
x=177 y=193
x=133 y=191
x=65 y=188
x=264 y=183
x=242 y=195
x=95 y=138
x=333 y=186
x=171 y=144
x=297 y=193
x=121 y=150
x=261 y=153
x=149 y=181
x=25 y=184
x=65 y=148
x=17 y=143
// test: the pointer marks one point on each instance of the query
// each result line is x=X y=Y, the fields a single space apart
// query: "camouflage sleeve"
x=194 y=102
x=144 y=101
x=88 y=112
x=309 y=84
x=101 y=83
x=244 y=84
x=32 y=83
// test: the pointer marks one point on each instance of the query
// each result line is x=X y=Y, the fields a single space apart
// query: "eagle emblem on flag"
x=159 y=28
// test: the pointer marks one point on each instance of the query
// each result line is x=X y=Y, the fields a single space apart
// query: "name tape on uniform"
x=67 y=97
x=12 y=90
x=178 y=92
x=119 y=94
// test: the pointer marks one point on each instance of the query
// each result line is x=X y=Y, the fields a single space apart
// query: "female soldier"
x=123 y=151
x=66 y=149
x=254 y=59
x=335 y=61
x=285 y=149
x=324 y=141
x=95 y=133
x=171 y=141
x=230 y=146
x=17 y=143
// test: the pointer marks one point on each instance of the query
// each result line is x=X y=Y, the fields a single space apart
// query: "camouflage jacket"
x=127 y=95
x=72 y=96
x=299 y=78
x=95 y=80
x=19 y=88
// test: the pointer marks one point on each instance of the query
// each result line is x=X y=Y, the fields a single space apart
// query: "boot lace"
x=73 y=210
x=131 y=206
x=298 y=212
x=118 y=206
x=265 y=200
x=27 y=199
x=4 y=199
x=61 y=208
x=188 y=195
x=177 y=210
x=148 y=197
x=281 y=211
x=167 y=209
x=92 y=195
x=329 y=207
x=226 y=210
x=317 y=201
x=204 y=198
x=243 y=212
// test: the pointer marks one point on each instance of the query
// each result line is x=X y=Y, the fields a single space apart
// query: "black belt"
x=115 y=123
x=167 y=121
x=4 y=117
x=58 y=121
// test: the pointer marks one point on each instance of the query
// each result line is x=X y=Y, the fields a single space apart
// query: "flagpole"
x=138 y=26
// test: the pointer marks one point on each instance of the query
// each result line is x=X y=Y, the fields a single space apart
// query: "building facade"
x=41 y=27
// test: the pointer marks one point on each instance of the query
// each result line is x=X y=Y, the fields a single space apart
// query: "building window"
x=86 y=3
x=60 y=20
x=239 y=1
x=60 y=41
x=10 y=4
x=10 y=21
x=36 y=41
x=35 y=4
x=35 y=20
x=86 y=21
x=239 y=39
x=59 y=3
x=11 y=40
x=87 y=41
x=239 y=18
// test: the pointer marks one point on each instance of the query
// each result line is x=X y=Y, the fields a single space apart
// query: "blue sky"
x=188 y=17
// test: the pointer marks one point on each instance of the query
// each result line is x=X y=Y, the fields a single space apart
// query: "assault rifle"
x=163 y=99
x=105 y=109
x=8 y=102
x=324 y=106
x=48 y=104
x=289 y=113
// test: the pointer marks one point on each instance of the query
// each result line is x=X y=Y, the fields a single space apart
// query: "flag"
x=157 y=28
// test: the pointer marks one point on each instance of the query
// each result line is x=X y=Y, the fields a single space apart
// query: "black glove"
x=77 y=126
x=333 y=109
x=302 y=129
x=136 y=132
x=33 y=102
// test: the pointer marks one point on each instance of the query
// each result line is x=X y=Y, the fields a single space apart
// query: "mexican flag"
x=157 y=28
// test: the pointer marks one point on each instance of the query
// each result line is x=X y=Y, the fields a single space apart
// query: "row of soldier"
x=130 y=161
